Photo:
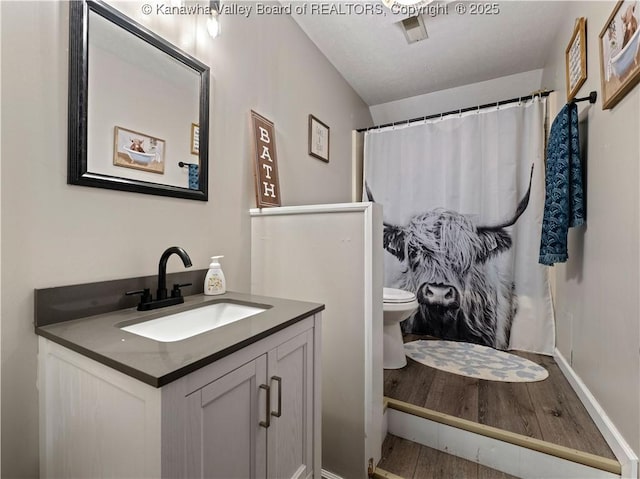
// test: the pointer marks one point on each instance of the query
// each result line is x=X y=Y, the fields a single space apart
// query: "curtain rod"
x=541 y=93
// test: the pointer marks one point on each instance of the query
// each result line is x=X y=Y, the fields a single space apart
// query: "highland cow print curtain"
x=463 y=200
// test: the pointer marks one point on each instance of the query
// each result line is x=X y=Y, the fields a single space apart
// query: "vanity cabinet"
x=254 y=413
x=255 y=421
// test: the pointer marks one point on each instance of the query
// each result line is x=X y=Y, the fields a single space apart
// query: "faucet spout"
x=162 y=268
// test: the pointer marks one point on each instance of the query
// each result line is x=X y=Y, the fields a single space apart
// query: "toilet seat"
x=397 y=306
x=397 y=296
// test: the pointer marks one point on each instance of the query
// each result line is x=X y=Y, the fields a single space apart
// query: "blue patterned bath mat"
x=475 y=361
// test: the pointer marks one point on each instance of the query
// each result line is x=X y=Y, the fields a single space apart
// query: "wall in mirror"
x=133 y=101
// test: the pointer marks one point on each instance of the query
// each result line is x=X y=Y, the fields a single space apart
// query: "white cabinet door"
x=290 y=435
x=257 y=420
x=224 y=437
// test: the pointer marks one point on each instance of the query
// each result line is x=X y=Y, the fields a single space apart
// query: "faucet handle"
x=175 y=292
x=146 y=294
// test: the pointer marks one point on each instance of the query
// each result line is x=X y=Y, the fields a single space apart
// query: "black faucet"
x=146 y=301
x=162 y=269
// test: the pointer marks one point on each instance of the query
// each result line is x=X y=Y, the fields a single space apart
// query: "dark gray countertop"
x=158 y=363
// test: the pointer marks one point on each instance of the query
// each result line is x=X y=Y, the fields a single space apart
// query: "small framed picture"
x=576 y=58
x=139 y=151
x=620 y=52
x=318 y=139
x=195 y=139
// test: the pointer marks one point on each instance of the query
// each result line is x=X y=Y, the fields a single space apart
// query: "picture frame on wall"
x=265 y=161
x=576 y=58
x=195 y=139
x=318 y=139
x=139 y=151
x=620 y=52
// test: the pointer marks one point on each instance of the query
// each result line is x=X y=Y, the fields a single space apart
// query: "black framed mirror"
x=138 y=108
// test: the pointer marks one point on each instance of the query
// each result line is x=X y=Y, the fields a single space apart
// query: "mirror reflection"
x=146 y=110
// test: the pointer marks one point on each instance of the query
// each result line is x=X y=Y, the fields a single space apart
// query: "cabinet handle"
x=278 y=379
x=266 y=423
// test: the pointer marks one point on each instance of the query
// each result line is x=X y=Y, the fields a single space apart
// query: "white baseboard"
x=329 y=475
x=500 y=455
x=626 y=457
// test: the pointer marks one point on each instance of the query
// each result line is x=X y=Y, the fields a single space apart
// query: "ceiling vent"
x=414 y=29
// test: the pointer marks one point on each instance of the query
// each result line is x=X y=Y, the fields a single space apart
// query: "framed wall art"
x=576 y=58
x=139 y=151
x=620 y=53
x=318 y=139
x=265 y=161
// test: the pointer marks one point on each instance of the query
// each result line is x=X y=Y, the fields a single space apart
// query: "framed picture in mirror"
x=195 y=139
x=132 y=149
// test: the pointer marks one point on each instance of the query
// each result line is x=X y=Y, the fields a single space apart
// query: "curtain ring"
x=478 y=110
x=441 y=116
x=460 y=113
x=393 y=125
x=425 y=120
x=497 y=105
x=520 y=101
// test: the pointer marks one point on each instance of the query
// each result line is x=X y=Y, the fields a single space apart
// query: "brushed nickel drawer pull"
x=278 y=379
x=266 y=423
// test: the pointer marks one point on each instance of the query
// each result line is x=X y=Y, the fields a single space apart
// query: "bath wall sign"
x=620 y=53
x=265 y=161
x=137 y=150
x=576 y=58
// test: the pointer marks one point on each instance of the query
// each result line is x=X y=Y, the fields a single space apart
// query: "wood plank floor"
x=414 y=461
x=548 y=410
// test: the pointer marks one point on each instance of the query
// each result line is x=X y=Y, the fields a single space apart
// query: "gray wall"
x=57 y=234
x=597 y=306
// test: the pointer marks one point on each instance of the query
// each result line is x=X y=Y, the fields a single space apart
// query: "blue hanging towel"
x=564 y=200
x=194 y=177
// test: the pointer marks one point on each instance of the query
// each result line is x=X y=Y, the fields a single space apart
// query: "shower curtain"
x=463 y=200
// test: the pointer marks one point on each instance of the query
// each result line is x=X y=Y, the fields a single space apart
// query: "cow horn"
x=369 y=195
x=524 y=202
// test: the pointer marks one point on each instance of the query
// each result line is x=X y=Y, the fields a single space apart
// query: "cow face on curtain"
x=450 y=264
x=456 y=233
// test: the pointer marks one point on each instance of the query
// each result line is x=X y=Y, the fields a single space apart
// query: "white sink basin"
x=179 y=326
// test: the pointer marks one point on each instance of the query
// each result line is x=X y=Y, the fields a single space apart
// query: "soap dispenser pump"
x=214 y=282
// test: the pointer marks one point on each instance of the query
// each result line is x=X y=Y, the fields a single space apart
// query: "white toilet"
x=398 y=305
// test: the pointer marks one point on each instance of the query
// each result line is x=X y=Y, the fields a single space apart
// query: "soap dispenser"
x=214 y=282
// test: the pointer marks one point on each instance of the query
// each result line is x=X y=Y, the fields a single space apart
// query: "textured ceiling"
x=371 y=52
